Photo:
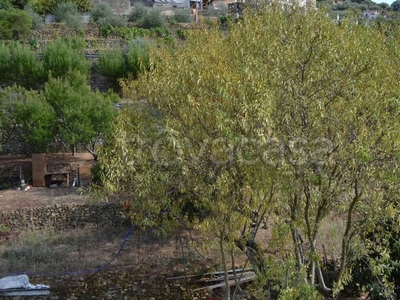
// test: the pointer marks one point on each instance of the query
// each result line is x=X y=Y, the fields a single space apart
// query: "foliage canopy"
x=297 y=120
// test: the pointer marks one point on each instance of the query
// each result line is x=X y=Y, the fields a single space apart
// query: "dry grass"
x=59 y=252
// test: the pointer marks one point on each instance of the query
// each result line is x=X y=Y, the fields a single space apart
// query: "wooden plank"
x=230 y=277
x=209 y=274
x=231 y=283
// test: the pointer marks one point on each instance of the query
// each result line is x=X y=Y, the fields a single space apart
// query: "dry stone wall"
x=65 y=217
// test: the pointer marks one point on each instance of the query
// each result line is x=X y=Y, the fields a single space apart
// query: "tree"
x=63 y=55
x=4 y=63
x=176 y=153
x=101 y=10
x=112 y=64
x=5 y=4
x=395 y=5
x=20 y=4
x=28 y=120
x=24 y=66
x=14 y=24
x=334 y=130
x=301 y=111
x=83 y=116
x=68 y=13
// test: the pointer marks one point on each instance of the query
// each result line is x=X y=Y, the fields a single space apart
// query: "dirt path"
x=39 y=197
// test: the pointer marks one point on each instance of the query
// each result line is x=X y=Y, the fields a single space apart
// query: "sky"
x=384 y=1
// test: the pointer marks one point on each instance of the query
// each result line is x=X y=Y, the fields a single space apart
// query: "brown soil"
x=38 y=197
x=15 y=198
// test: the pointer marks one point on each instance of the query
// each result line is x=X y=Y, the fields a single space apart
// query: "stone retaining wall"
x=65 y=217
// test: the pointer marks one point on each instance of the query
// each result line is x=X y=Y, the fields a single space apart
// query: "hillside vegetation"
x=283 y=119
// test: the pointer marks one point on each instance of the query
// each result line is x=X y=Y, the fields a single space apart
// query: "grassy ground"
x=86 y=249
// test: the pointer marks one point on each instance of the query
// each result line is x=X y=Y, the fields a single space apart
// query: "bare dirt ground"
x=16 y=198
x=39 y=197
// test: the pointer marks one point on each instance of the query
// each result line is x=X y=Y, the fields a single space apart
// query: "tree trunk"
x=225 y=269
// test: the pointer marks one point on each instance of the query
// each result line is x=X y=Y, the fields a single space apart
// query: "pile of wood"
x=214 y=283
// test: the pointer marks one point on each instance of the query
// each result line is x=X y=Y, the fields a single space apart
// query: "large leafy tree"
x=302 y=111
x=83 y=116
x=28 y=120
x=198 y=152
x=336 y=117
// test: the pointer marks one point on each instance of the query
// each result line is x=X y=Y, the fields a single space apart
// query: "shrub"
x=68 y=13
x=14 y=24
x=43 y=7
x=37 y=20
x=220 y=10
x=5 y=4
x=138 y=12
x=25 y=68
x=60 y=56
x=62 y=10
x=162 y=32
x=112 y=64
x=74 y=21
x=100 y=11
x=183 y=16
x=138 y=58
x=113 y=21
x=181 y=33
x=84 y=5
x=29 y=117
x=152 y=19
x=132 y=32
x=376 y=273
x=4 y=63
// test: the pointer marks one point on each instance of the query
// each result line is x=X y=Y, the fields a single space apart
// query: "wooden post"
x=38 y=170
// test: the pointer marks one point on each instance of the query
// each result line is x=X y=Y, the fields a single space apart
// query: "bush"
x=25 y=68
x=42 y=7
x=37 y=20
x=14 y=24
x=74 y=21
x=112 y=64
x=183 y=16
x=220 y=10
x=100 y=11
x=132 y=32
x=5 y=4
x=138 y=59
x=153 y=19
x=4 y=63
x=376 y=273
x=29 y=117
x=113 y=21
x=138 y=12
x=60 y=56
x=83 y=5
x=68 y=13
